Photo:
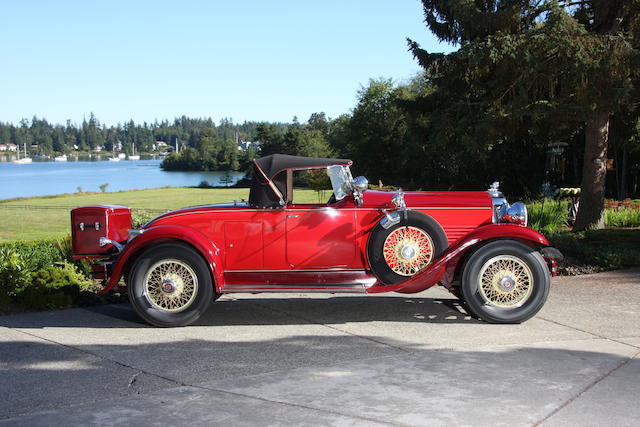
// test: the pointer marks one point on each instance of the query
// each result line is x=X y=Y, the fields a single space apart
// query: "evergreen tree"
x=270 y=139
x=548 y=67
x=319 y=122
x=59 y=144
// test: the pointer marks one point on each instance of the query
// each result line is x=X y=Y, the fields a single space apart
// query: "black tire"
x=375 y=245
x=505 y=299
x=191 y=265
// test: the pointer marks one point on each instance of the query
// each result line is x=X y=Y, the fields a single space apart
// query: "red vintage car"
x=361 y=241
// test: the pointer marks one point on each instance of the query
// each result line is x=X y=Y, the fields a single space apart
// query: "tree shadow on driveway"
x=265 y=311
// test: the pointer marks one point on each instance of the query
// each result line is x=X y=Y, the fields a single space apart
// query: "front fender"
x=162 y=233
x=443 y=268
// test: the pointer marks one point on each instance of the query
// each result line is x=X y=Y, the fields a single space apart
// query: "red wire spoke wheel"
x=407 y=250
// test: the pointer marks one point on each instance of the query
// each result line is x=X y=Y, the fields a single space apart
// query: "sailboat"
x=22 y=161
x=61 y=158
x=134 y=156
x=114 y=158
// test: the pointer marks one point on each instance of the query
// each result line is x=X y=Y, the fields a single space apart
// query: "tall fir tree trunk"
x=594 y=173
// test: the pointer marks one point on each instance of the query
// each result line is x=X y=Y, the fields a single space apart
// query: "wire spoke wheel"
x=407 y=250
x=505 y=281
x=170 y=285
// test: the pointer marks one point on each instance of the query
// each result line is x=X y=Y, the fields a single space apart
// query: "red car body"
x=290 y=247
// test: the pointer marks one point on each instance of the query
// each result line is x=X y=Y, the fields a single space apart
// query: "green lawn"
x=43 y=217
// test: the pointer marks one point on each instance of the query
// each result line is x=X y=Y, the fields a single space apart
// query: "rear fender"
x=443 y=269
x=163 y=233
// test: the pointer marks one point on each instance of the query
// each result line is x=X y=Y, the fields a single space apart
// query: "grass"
x=45 y=217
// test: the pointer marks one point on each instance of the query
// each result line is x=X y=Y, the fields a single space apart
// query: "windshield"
x=341 y=180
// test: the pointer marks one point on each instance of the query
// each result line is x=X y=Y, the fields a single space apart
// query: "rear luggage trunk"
x=90 y=223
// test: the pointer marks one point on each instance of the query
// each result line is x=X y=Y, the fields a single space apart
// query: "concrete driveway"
x=332 y=360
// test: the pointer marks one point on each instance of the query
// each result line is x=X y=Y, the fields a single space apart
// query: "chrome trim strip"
x=317 y=270
x=315 y=288
x=318 y=209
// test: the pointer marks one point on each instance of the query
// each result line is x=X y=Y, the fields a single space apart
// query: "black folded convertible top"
x=275 y=163
x=262 y=195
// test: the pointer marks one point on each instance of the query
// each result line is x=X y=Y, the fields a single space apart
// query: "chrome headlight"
x=361 y=183
x=513 y=214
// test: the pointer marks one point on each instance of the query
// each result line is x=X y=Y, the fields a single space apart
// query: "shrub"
x=548 y=216
x=19 y=261
x=140 y=217
x=622 y=217
x=607 y=249
x=53 y=287
x=37 y=254
x=13 y=275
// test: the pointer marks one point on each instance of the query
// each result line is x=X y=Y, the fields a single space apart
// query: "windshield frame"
x=341 y=181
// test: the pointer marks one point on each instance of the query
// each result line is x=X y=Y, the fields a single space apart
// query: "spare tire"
x=401 y=251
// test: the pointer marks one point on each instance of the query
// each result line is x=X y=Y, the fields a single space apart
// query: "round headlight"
x=361 y=183
x=514 y=214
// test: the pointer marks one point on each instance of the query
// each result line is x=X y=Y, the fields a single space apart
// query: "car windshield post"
x=341 y=180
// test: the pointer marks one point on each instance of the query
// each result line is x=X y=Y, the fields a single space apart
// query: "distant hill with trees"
x=43 y=137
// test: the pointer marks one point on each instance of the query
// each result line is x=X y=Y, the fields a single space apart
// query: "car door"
x=320 y=237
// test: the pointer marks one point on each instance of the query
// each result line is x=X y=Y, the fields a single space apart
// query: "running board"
x=323 y=288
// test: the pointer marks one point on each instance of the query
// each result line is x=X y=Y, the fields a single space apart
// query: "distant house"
x=160 y=144
x=245 y=145
x=3 y=147
x=12 y=147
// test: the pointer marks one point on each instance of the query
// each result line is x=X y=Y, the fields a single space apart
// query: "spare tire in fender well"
x=408 y=218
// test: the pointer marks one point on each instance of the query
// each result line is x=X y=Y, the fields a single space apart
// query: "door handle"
x=293 y=216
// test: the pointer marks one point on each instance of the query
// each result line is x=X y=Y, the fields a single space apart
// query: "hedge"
x=40 y=273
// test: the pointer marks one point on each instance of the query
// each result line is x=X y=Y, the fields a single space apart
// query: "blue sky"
x=246 y=60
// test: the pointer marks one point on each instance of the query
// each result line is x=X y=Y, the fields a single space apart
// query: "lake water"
x=48 y=178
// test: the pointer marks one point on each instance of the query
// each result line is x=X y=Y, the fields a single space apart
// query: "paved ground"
x=322 y=359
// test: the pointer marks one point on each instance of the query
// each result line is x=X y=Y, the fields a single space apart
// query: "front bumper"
x=552 y=256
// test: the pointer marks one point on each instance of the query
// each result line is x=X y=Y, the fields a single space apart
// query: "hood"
x=445 y=199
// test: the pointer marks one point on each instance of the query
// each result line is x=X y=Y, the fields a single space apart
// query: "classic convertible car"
x=475 y=244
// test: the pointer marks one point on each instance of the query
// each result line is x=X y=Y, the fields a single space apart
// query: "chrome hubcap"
x=505 y=281
x=170 y=285
x=407 y=250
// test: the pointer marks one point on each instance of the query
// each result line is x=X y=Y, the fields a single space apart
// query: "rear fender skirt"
x=443 y=268
x=162 y=233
